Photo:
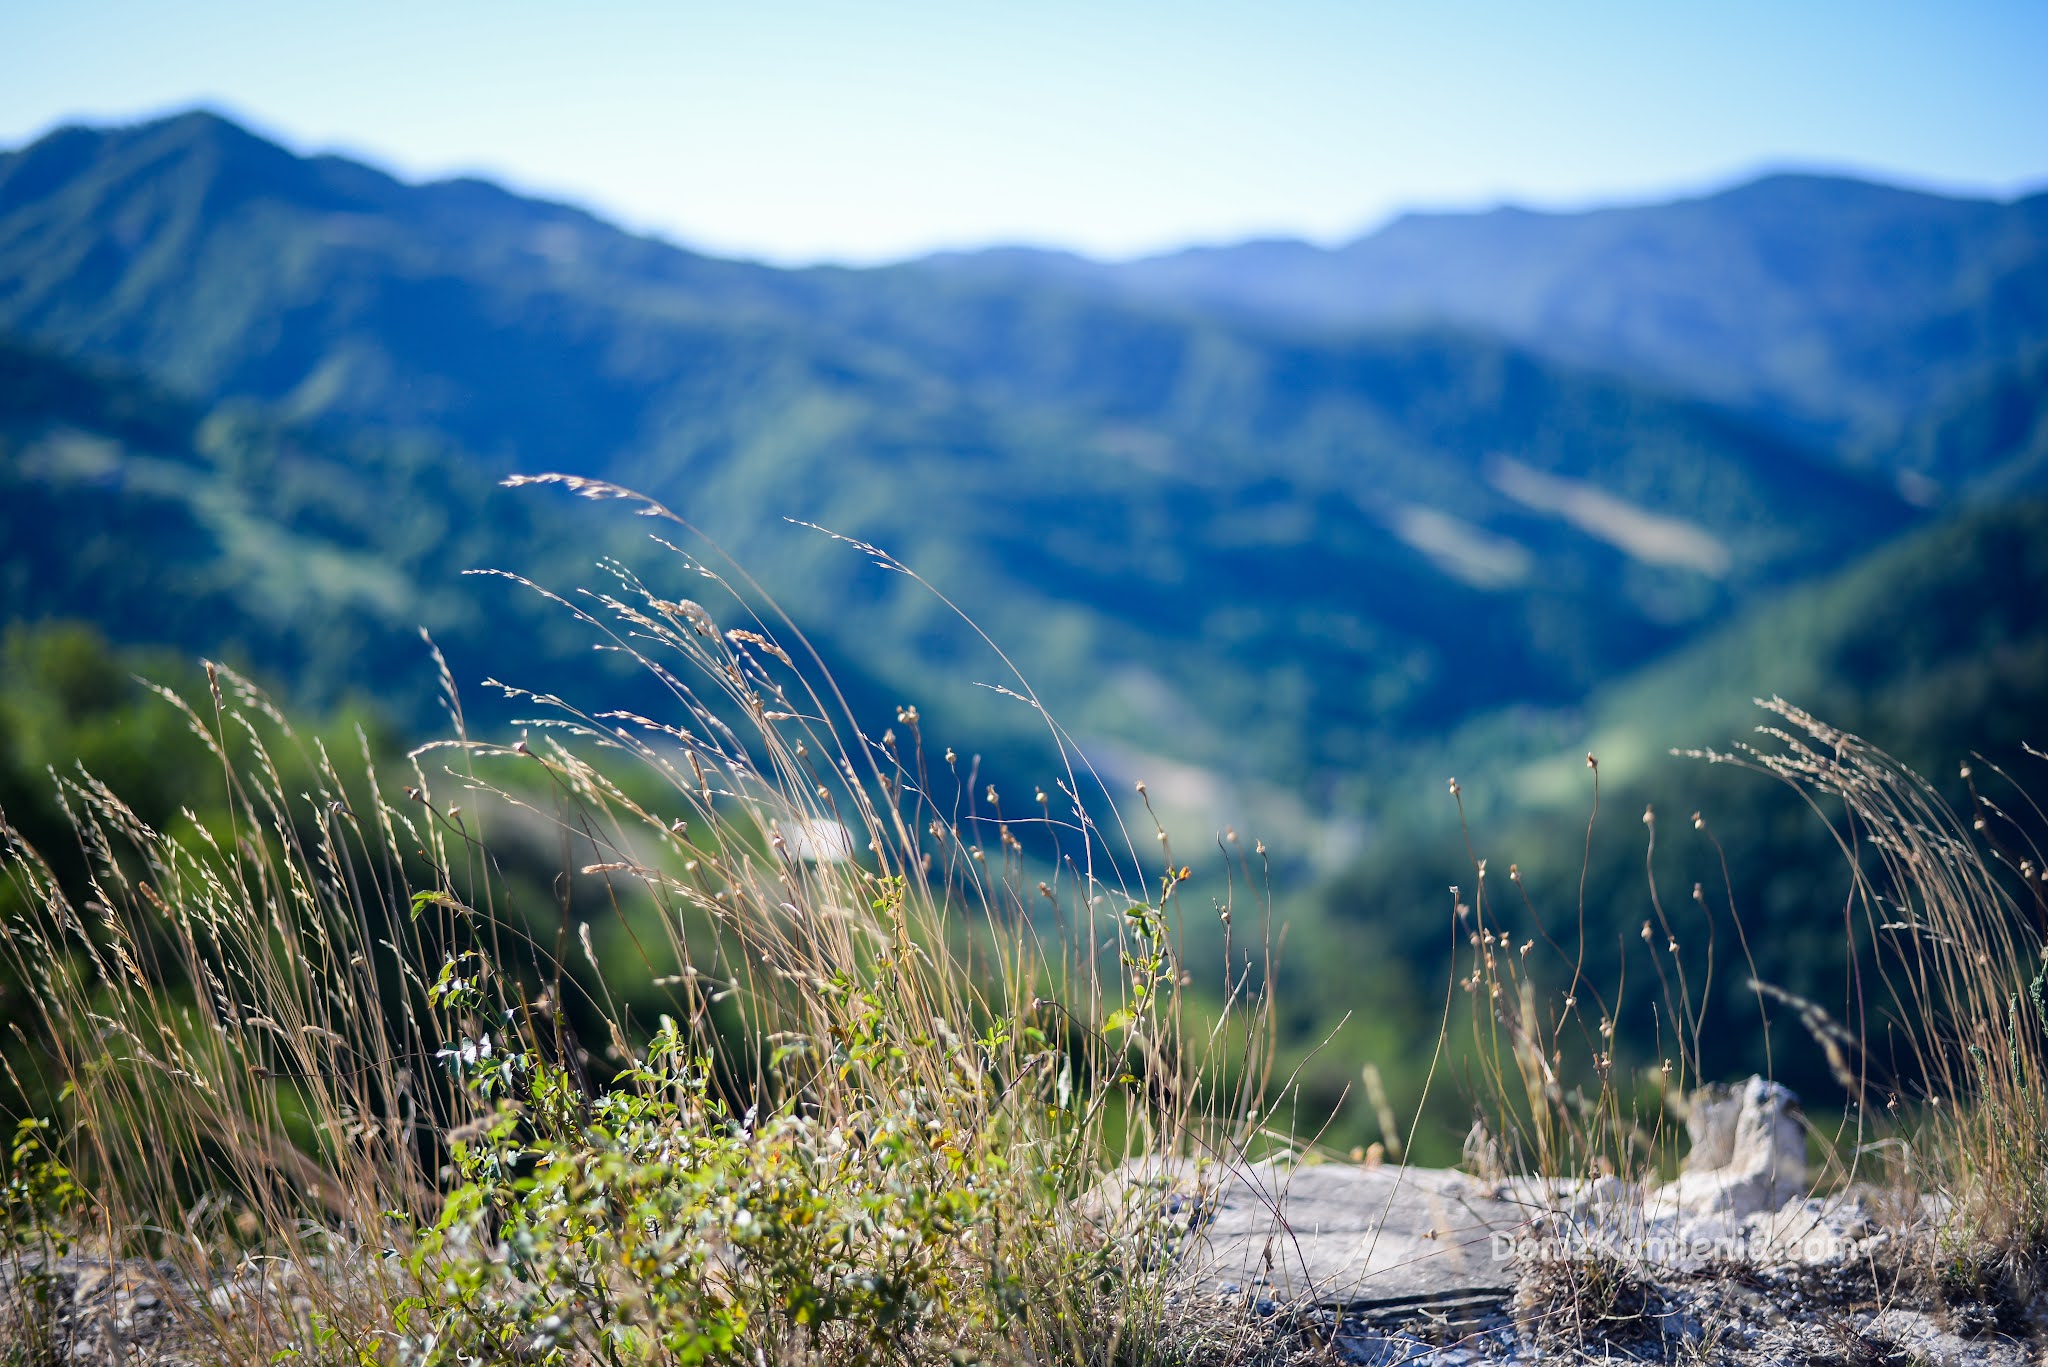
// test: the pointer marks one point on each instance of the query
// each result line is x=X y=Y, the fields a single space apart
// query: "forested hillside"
x=1823 y=304
x=1263 y=549
x=1294 y=535
x=1933 y=648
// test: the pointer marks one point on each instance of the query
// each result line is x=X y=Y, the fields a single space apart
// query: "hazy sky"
x=858 y=132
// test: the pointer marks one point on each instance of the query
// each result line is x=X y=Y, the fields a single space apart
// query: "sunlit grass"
x=336 y=1068
x=742 y=1032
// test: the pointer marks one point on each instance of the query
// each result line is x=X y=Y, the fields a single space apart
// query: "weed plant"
x=1944 y=1044
x=366 y=1105
x=1940 y=1043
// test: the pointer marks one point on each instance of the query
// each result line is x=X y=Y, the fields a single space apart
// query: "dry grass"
x=1942 y=1054
x=329 y=1062
x=1555 y=1098
x=1947 y=1047
x=860 y=1037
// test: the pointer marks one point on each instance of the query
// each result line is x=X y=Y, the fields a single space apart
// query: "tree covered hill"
x=1293 y=568
x=1270 y=550
x=1932 y=648
x=1829 y=306
x=312 y=558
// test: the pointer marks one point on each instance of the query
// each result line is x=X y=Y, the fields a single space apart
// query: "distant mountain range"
x=1836 y=307
x=1269 y=512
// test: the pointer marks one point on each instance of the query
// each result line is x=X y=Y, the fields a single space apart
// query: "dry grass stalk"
x=275 y=1037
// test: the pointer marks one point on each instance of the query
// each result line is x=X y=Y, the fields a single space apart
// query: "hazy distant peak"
x=1825 y=303
x=203 y=131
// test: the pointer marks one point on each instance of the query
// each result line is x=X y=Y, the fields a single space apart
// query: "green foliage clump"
x=319 y=1037
x=650 y=1221
x=39 y=1192
x=39 y=1201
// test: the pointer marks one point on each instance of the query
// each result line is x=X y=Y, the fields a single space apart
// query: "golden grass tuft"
x=852 y=1047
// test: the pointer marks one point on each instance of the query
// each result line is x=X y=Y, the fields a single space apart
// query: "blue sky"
x=800 y=132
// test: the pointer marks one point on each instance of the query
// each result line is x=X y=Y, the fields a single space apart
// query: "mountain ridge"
x=1235 y=542
x=1704 y=292
x=1967 y=278
x=1292 y=574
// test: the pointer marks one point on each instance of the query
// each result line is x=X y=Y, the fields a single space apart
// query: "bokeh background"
x=1314 y=401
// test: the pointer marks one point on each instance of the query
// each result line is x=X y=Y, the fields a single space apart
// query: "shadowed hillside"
x=1290 y=571
x=1827 y=305
x=1264 y=550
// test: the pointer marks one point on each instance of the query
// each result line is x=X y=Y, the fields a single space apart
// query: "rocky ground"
x=86 y=1310
x=1742 y=1316
x=1734 y=1262
x=1288 y=1265
x=1859 y=1311
x=89 y=1311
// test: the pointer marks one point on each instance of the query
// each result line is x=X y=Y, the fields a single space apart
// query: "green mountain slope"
x=1269 y=553
x=314 y=558
x=1993 y=437
x=1826 y=304
x=1933 y=648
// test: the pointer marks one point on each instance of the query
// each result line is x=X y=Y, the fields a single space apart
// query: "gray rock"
x=1748 y=1152
x=1332 y=1234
